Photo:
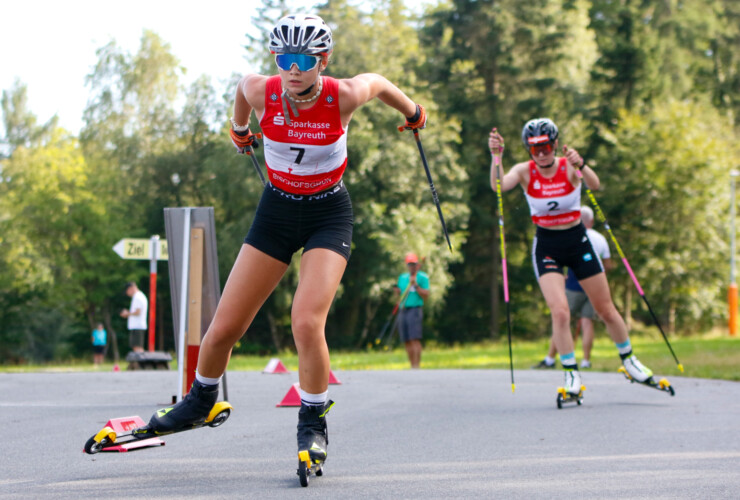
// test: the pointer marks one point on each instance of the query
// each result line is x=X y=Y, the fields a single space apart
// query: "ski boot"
x=189 y=413
x=542 y=365
x=197 y=408
x=313 y=439
x=634 y=371
x=573 y=390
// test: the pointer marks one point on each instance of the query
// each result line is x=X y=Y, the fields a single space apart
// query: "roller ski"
x=634 y=371
x=572 y=392
x=313 y=439
x=197 y=409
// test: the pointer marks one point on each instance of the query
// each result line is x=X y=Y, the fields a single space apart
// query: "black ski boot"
x=313 y=439
x=191 y=412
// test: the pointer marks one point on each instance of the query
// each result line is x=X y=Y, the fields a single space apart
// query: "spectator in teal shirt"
x=413 y=286
x=99 y=340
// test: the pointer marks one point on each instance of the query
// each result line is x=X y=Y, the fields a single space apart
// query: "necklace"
x=310 y=99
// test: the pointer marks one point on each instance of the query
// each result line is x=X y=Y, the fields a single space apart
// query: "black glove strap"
x=416 y=116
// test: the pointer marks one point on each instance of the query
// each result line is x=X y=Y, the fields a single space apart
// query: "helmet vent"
x=301 y=34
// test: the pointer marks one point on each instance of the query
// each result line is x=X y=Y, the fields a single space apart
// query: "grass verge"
x=706 y=356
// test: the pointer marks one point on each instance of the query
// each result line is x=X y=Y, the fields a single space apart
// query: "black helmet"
x=539 y=131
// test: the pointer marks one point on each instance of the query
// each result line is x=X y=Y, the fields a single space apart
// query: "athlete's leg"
x=413 y=349
x=597 y=290
x=253 y=278
x=576 y=331
x=409 y=351
x=553 y=289
x=320 y=274
x=587 y=328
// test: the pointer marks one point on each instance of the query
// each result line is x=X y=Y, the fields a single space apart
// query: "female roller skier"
x=304 y=118
x=553 y=191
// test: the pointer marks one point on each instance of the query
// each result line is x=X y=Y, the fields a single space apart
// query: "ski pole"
x=250 y=153
x=602 y=218
x=503 y=266
x=394 y=326
x=431 y=186
x=380 y=337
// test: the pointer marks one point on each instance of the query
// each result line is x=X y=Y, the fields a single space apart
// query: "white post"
x=183 y=304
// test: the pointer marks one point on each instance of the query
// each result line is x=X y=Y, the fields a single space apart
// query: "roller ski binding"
x=313 y=439
x=634 y=371
x=573 y=390
x=197 y=409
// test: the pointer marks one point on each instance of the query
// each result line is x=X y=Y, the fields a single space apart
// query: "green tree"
x=666 y=200
x=500 y=63
x=55 y=226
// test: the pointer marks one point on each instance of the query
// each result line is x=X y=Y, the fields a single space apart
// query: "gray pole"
x=181 y=342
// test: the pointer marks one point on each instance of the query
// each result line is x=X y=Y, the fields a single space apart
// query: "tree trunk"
x=112 y=339
x=672 y=318
x=274 y=331
x=370 y=313
x=627 y=313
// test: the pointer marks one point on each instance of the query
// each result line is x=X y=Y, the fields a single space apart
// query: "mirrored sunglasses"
x=544 y=149
x=304 y=62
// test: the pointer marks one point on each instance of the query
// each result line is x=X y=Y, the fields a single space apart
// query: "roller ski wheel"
x=565 y=397
x=306 y=467
x=107 y=437
x=661 y=385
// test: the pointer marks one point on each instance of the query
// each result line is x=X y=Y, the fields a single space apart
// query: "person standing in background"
x=99 y=340
x=410 y=314
x=136 y=317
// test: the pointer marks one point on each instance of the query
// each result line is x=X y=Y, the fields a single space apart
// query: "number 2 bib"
x=555 y=201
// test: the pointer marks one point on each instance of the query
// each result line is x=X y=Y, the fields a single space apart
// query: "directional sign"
x=139 y=249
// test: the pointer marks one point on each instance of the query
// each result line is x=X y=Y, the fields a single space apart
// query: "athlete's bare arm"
x=354 y=92
x=250 y=95
x=517 y=175
x=576 y=161
x=590 y=177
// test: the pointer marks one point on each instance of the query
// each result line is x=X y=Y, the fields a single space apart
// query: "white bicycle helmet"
x=301 y=34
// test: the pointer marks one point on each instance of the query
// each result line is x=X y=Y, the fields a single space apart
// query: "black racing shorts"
x=554 y=249
x=285 y=222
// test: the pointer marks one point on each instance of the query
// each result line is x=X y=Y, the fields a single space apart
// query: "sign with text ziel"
x=139 y=249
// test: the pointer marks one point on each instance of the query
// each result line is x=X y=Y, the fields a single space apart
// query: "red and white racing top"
x=310 y=154
x=555 y=201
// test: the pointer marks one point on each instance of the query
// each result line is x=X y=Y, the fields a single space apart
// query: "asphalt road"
x=409 y=434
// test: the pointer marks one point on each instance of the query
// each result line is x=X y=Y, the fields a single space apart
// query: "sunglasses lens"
x=303 y=61
x=541 y=149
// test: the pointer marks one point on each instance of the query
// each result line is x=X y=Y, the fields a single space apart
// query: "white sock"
x=207 y=380
x=549 y=361
x=313 y=399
